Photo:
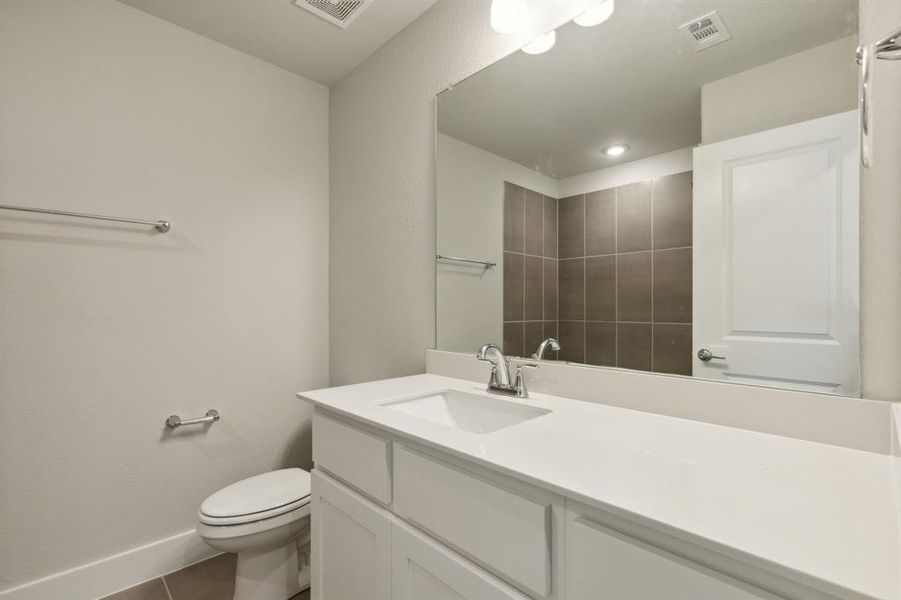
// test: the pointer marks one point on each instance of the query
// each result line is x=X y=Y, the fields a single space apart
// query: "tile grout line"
x=166 y=585
x=653 y=193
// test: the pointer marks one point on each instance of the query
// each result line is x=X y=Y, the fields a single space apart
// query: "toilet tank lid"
x=258 y=494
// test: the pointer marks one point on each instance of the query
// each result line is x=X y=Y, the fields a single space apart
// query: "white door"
x=351 y=544
x=776 y=270
x=422 y=569
x=602 y=564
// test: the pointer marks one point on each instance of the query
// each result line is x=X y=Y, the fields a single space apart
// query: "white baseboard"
x=115 y=573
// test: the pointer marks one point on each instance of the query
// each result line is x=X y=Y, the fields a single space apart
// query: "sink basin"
x=469 y=412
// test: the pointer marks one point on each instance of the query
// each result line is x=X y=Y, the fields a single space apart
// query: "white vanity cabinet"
x=423 y=569
x=351 y=544
x=604 y=564
x=395 y=520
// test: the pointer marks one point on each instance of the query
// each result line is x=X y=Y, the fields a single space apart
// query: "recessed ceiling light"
x=509 y=16
x=616 y=150
x=542 y=43
x=598 y=13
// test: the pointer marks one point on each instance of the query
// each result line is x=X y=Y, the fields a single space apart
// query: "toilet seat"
x=258 y=498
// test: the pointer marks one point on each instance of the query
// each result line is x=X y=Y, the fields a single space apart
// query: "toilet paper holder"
x=211 y=416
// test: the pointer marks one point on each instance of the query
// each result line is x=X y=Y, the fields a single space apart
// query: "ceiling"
x=279 y=32
x=634 y=79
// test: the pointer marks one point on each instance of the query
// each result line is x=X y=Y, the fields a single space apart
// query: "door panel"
x=351 y=542
x=422 y=569
x=776 y=275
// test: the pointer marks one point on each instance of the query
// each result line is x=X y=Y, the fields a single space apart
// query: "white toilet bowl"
x=263 y=520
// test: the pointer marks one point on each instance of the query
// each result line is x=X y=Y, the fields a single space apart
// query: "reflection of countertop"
x=825 y=516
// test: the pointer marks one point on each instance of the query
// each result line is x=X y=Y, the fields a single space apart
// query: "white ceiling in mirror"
x=633 y=80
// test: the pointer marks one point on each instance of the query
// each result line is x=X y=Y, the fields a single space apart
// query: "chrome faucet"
x=548 y=343
x=500 y=372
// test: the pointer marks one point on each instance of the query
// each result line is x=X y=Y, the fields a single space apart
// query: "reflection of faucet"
x=500 y=372
x=550 y=342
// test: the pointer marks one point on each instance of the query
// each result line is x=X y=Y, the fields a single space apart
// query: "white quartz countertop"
x=825 y=516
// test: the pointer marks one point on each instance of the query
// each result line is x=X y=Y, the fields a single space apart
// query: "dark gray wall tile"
x=534 y=226
x=513 y=339
x=533 y=309
x=514 y=217
x=550 y=289
x=550 y=227
x=600 y=344
x=633 y=217
x=600 y=288
x=571 y=289
x=672 y=349
x=672 y=286
x=149 y=590
x=533 y=334
x=633 y=346
x=572 y=340
x=571 y=236
x=672 y=211
x=513 y=286
x=212 y=579
x=600 y=222
x=633 y=277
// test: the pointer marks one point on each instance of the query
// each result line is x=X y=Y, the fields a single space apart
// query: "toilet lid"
x=265 y=493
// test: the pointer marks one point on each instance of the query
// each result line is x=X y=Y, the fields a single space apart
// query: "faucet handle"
x=519 y=382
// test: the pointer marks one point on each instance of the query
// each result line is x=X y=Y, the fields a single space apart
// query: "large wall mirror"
x=674 y=190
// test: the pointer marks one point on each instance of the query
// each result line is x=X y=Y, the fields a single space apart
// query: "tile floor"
x=212 y=579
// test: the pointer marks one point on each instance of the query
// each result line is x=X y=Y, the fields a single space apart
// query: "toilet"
x=265 y=520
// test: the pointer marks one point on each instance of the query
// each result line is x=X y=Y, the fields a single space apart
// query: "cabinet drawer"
x=359 y=458
x=603 y=564
x=507 y=532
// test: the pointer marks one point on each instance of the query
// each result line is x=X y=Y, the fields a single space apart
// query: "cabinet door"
x=351 y=543
x=422 y=569
x=602 y=564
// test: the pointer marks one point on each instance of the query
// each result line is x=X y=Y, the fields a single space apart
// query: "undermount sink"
x=469 y=412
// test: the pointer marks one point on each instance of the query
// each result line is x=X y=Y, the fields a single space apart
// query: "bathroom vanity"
x=429 y=487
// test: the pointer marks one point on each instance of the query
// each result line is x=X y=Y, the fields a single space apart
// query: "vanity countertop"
x=826 y=516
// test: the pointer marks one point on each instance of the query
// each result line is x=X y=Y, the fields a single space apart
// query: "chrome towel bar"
x=175 y=421
x=485 y=263
x=161 y=226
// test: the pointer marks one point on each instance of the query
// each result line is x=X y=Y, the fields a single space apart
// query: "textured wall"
x=880 y=213
x=105 y=330
x=382 y=211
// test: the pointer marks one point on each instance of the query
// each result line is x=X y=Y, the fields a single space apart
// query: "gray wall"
x=382 y=236
x=106 y=329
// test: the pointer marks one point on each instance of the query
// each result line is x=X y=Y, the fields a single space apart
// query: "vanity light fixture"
x=509 y=16
x=599 y=12
x=541 y=44
x=616 y=150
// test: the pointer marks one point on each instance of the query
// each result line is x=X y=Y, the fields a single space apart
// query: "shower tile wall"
x=608 y=273
x=625 y=276
x=530 y=269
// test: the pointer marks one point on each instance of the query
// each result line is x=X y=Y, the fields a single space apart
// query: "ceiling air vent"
x=339 y=13
x=706 y=31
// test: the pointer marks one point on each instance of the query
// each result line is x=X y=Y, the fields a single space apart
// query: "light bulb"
x=598 y=13
x=616 y=150
x=509 y=16
x=542 y=43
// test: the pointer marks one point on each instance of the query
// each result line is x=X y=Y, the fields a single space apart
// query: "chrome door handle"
x=706 y=355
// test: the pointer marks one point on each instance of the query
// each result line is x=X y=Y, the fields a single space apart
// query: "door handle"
x=706 y=355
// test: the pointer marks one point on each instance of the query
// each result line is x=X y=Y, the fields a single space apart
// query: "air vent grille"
x=706 y=31
x=339 y=13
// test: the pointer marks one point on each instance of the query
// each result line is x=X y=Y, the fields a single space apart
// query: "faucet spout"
x=492 y=353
